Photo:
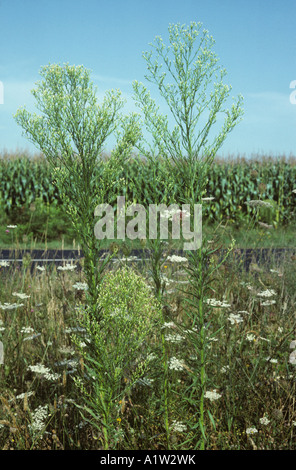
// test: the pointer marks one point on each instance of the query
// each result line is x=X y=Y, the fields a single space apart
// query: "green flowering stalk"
x=117 y=355
x=71 y=132
x=190 y=80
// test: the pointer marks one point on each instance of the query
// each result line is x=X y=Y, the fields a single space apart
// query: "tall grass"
x=249 y=403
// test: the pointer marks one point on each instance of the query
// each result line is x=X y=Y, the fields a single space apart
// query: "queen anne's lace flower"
x=212 y=395
x=176 y=364
x=267 y=293
x=251 y=430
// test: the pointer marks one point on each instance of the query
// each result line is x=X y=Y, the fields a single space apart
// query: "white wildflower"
x=176 y=364
x=8 y=306
x=264 y=421
x=80 y=286
x=23 y=395
x=292 y=358
x=169 y=325
x=178 y=426
x=273 y=361
x=217 y=303
x=4 y=263
x=250 y=337
x=235 y=319
x=41 y=268
x=174 y=338
x=268 y=302
x=67 y=267
x=21 y=296
x=27 y=330
x=212 y=395
x=11 y=226
x=267 y=293
x=39 y=415
x=44 y=372
x=177 y=259
x=251 y=430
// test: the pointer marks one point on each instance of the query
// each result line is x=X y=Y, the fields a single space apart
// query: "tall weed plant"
x=190 y=80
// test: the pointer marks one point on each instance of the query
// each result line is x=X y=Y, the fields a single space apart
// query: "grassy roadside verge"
x=281 y=237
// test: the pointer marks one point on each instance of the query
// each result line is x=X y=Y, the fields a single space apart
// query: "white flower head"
x=176 y=364
x=21 y=296
x=292 y=358
x=267 y=293
x=252 y=430
x=4 y=263
x=235 y=319
x=67 y=267
x=217 y=303
x=212 y=395
x=265 y=421
x=80 y=286
x=178 y=426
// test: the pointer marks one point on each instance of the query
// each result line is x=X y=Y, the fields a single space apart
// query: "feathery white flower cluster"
x=67 y=267
x=8 y=306
x=39 y=416
x=212 y=395
x=267 y=293
x=4 y=264
x=235 y=319
x=251 y=430
x=44 y=372
x=80 y=286
x=21 y=296
x=176 y=364
x=21 y=396
x=177 y=259
x=265 y=421
x=217 y=303
x=174 y=338
x=27 y=330
x=178 y=426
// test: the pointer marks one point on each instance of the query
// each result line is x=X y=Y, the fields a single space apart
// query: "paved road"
x=261 y=256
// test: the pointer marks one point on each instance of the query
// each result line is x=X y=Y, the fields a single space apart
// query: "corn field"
x=231 y=183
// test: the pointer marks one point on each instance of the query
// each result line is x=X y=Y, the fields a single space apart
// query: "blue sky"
x=255 y=41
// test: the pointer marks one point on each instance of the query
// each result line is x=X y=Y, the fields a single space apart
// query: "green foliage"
x=71 y=132
x=193 y=89
x=116 y=356
x=24 y=180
